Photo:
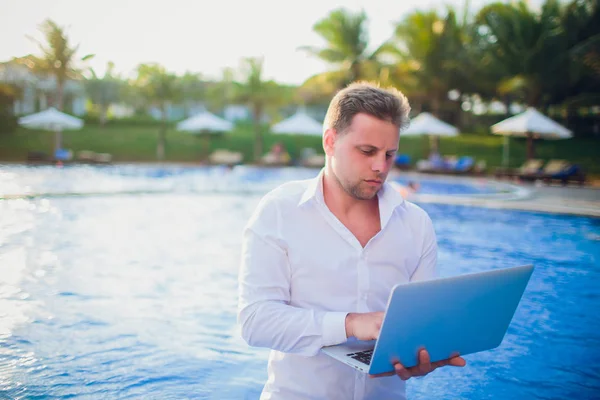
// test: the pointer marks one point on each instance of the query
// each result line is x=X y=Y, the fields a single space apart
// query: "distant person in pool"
x=320 y=256
x=408 y=190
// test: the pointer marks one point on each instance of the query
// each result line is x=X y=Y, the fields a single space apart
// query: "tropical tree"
x=260 y=95
x=58 y=58
x=9 y=92
x=541 y=56
x=431 y=53
x=192 y=90
x=320 y=88
x=134 y=96
x=580 y=23
x=529 y=48
x=432 y=62
x=160 y=89
x=347 y=47
x=103 y=91
x=223 y=92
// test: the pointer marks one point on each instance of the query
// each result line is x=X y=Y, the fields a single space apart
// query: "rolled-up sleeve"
x=264 y=314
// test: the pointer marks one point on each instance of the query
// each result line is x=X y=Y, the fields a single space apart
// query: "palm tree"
x=160 y=89
x=346 y=37
x=223 y=92
x=431 y=51
x=431 y=62
x=9 y=92
x=260 y=95
x=103 y=91
x=320 y=88
x=58 y=58
x=581 y=27
x=193 y=90
x=528 y=47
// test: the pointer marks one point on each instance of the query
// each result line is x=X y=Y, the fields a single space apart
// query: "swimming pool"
x=81 y=179
x=134 y=296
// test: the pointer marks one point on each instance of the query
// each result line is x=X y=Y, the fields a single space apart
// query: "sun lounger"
x=102 y=158
x=86 y=156
x=558 y=170
x=450 y=165
x=570 y=173
x=402 y=161
x=314 y=161
x=529 y=168
x=225 y=157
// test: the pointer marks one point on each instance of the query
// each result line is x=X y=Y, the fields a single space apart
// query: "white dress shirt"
x=303 y=271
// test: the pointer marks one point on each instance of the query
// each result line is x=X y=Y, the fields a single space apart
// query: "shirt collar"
x=389 y=198
x=314 y=189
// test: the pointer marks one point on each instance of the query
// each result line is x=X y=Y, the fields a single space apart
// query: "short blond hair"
x=387 y=104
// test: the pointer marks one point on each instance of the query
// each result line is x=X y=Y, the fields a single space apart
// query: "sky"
x=197 y=35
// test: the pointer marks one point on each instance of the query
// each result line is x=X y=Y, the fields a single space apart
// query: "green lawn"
x=138 y=143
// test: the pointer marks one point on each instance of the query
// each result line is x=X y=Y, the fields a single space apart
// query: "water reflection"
x=82 y=179
x=134 y=296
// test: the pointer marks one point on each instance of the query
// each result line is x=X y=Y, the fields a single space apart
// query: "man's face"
x=363 y=155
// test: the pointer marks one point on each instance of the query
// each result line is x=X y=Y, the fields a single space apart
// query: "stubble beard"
x=356 y=191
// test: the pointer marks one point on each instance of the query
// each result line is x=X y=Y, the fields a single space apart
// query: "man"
x=321 y=256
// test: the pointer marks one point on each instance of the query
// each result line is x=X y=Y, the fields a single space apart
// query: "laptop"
x=449 y=316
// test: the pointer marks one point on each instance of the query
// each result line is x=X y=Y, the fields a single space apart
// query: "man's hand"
x=364 y=326
x=424 y=367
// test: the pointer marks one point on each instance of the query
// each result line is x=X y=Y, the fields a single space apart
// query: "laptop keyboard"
x=363 y=356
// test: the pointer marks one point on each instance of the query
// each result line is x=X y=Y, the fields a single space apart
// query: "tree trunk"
x=354 y=72
x=435 y=106
x=103 y=114
x=417 y=107
x=426 y=146
x=506 y=151
x=258 y=140
x=507 y=103
x=57 y=140
x=459 y=116
x=435 y=110
x=60 y=89
x=530 y=147
x=434 y=144
x=160 y=146
x=206 y=154
x=43 y=102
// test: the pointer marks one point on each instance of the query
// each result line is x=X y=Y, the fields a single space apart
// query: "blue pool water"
x=23 y=180
x=133 y=295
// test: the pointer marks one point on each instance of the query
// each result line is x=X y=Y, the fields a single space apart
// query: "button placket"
x=363 y=282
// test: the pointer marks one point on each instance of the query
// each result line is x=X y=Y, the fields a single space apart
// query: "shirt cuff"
x=334 y=328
